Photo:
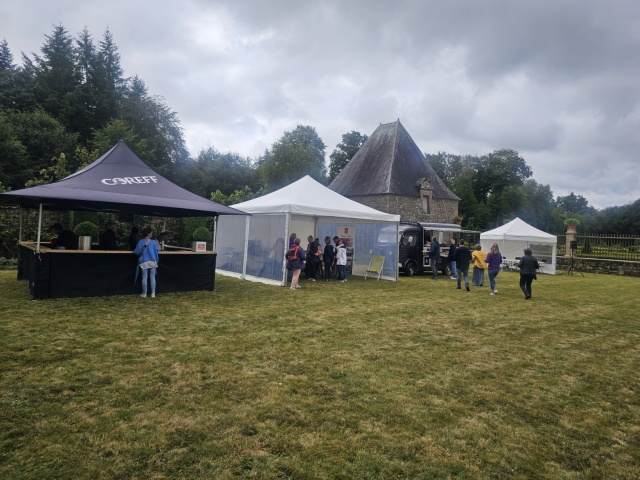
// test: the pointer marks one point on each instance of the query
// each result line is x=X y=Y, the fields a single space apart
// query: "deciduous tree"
x=298 y=153
x=345 y=151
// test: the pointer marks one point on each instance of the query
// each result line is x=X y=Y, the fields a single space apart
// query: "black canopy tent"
x=117 y=182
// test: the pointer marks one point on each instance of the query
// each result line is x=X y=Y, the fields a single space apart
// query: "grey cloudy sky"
x=558 y=81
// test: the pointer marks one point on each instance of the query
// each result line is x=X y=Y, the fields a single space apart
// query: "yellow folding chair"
x=375 y=266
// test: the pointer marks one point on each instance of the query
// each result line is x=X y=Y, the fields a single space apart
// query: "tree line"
x=65 y=106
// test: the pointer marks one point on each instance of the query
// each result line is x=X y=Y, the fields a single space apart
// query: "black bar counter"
x=92 y=273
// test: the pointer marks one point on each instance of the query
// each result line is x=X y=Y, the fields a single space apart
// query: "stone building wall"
x=411 y=209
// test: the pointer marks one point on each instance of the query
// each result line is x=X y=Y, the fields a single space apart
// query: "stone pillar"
x=570 y=237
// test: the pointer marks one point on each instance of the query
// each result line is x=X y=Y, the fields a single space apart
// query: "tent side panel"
x=230 y=241
x=266 y=246
x=367 y=243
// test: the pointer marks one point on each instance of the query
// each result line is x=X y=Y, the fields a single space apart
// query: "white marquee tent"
x=515 y=236
x=253 y=247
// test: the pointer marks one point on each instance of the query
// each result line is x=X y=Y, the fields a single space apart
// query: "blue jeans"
x=341 y=272
x=145 y=274
x=452 y=264
x=492 y=278
x=464 y=272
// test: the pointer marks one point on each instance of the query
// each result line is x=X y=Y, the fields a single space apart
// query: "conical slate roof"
x=389 y=163
x=118 y=181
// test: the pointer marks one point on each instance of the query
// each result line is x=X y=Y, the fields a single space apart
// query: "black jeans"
x=525 y=283
x=312 y=269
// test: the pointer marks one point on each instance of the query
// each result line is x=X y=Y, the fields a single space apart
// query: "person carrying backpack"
x=295 y=259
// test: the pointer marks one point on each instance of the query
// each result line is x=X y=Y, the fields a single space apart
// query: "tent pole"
x=246 y=248
x=20 y=228
x=215 y=231
x=287 y=234
x=397 y=250
x=39 y=228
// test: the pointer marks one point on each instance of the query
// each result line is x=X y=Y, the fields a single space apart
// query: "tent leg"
x=20 y=229
x=215 y=232
x=39 y=228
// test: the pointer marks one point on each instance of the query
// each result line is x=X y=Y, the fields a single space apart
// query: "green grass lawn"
x=366 y=379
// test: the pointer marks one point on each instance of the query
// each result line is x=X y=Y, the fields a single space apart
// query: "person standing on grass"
x=463 y=258
x=479 y=266
x=328 y=256
x=313 y=258
x=334 y=271
x=528 y=266
x=451 y=258
x=296 y=256
x=341 y=260
x=148 y=260
x=494 y=262
x=434 y=255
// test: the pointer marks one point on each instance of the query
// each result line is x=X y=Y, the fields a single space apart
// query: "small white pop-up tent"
x=515 y=236
x=253 y=247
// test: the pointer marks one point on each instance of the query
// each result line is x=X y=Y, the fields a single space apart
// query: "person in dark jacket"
x=133 y=238
x=434 y=255
x=64 y=239
x=297 y=263
x=451 y=258
x=108 y=239
x=528 y=266
x=328 y=256
x=462 y=258
x=313 y=258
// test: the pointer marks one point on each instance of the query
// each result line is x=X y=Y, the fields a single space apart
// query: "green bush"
x=201 y=234
x=87 y=229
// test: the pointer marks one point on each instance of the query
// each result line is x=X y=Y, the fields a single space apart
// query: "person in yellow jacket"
x=479 y=266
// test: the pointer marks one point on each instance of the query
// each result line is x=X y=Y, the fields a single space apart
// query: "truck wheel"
x=410 y=269
x=446 y=270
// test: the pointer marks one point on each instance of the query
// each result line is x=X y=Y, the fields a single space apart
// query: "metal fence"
x=615 y=247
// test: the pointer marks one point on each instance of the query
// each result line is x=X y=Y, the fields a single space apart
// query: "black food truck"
x=414 y=240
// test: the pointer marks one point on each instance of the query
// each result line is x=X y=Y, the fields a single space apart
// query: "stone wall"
x=410 y=209
x=599 y=265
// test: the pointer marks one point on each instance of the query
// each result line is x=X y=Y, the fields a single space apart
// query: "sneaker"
x=453 y=278
x=493 y=293
x=292 y=288
x=468 y=289
x=144 y=295
x=153 y=295
x=298 y=286
x=458 y=288
x=495 y=290
x=312 y=279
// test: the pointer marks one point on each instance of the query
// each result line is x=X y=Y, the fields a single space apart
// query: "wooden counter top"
x=47 y=249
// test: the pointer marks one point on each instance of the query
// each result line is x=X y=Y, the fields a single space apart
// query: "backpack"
x=292 y=254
